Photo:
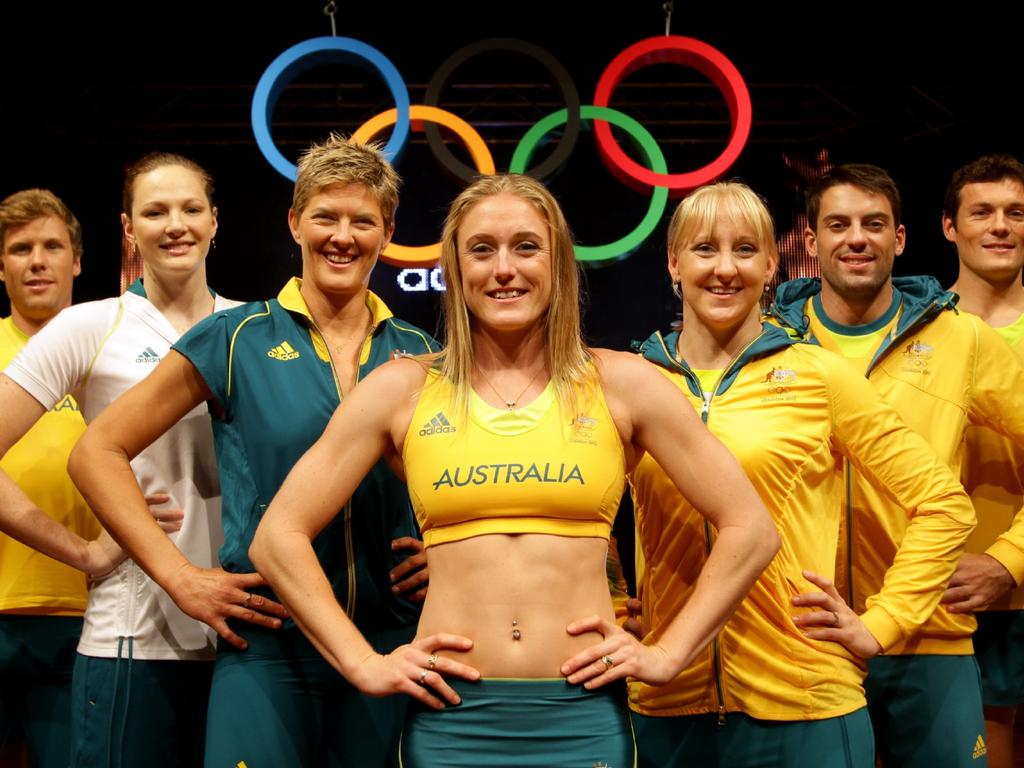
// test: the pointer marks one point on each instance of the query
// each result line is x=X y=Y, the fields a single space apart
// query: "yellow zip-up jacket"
x=994 y=477
x=789 y=412
x=942 y=370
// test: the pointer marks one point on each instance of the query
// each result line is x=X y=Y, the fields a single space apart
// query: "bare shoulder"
x=399 y=377
x=632 y=388
x=621 y=372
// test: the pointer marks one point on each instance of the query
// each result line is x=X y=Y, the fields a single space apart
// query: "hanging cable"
x=331 y=8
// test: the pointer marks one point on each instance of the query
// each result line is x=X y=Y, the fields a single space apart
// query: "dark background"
x=90 y=87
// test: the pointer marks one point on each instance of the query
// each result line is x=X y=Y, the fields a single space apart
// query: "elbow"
x=773 y=543
x=258 y=549
x=768 y=542
x=262 y=551
x=78 y=461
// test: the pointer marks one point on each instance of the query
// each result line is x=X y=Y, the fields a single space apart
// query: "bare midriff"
x=513 y=596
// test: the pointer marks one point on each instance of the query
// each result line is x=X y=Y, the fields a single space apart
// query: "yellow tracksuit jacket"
x=994 y=477
x=942 y=370
x=789 y=412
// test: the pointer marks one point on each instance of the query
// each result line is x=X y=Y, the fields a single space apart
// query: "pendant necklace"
x=510 y=404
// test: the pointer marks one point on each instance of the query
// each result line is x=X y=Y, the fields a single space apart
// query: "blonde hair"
x=567 y=357
x=702 y=207
x=28 y=205
x=342 y=161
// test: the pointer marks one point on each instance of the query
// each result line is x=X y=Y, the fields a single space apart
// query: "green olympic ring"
x=609 y=253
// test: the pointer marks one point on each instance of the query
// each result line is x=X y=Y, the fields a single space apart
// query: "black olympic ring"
x=566 y=144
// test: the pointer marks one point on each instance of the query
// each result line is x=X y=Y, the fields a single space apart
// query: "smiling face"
x=37 y=266
x=504 y=253
x=989 y=229
x=171 y=221
x=856 y=242
x=722 y=269
x=341 y=232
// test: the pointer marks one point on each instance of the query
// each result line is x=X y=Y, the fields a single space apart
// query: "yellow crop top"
x=522 y=471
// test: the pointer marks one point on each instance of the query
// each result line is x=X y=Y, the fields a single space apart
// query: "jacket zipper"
x=879 y=354
x=350 y=555
x=716 y=652
x=705 y=412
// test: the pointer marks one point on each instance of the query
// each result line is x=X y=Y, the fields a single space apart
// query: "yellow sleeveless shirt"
x=531 y=470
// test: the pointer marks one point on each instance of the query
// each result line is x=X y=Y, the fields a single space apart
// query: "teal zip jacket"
x=271 y=373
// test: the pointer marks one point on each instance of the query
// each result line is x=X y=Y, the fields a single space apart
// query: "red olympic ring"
x=690 y=53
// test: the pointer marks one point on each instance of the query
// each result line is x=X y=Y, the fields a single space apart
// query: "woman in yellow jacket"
x=770 y=692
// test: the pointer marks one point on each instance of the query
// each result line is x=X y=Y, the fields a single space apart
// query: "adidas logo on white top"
x=148 y=356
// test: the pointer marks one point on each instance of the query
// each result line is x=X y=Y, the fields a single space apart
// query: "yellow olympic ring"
x=426 y=255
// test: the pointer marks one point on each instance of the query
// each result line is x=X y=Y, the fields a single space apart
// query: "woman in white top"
x=130 y=704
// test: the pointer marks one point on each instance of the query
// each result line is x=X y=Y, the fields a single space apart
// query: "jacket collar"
x=290 y=297
x=923 y=297
x=140 y=290
x=660 y=350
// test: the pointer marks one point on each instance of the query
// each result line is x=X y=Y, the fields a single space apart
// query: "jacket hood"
x=920 y=293
x=658 y=350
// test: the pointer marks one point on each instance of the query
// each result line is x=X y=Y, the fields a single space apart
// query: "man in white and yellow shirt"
x=41 y=600
x=983 y=215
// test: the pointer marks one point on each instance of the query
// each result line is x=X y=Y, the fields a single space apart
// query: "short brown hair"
x=155 y=160
x=342 y=161
x=869 y=177
x=987 y=168
x=31 y=204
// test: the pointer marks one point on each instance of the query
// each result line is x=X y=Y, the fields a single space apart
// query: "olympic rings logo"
x=406 y=117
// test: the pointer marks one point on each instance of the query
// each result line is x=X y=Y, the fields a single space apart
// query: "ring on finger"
x=608 y=661
x=835 y=619
x=423 y=675
x=431 y=661
x=248 y=600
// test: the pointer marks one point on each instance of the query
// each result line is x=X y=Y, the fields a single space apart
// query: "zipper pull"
x=706 y=407
x=721 y=714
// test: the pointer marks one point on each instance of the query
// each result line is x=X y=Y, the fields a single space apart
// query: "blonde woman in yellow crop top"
x=515 y=447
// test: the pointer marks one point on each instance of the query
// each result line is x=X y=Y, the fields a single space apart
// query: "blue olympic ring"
x=308 y=55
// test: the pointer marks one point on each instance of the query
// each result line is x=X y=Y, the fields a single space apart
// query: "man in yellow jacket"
x=943 y=370
x=983 y=215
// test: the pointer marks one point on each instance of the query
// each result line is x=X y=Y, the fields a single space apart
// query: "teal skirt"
x=519 y=723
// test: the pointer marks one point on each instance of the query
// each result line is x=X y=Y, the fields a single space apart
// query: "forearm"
x=105 y=478
x=287 y=561
x=922 y=568
x=737 y=558
x=24 y=521
x=1008 y=549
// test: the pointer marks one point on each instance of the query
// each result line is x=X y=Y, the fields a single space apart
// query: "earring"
x=213 y=243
